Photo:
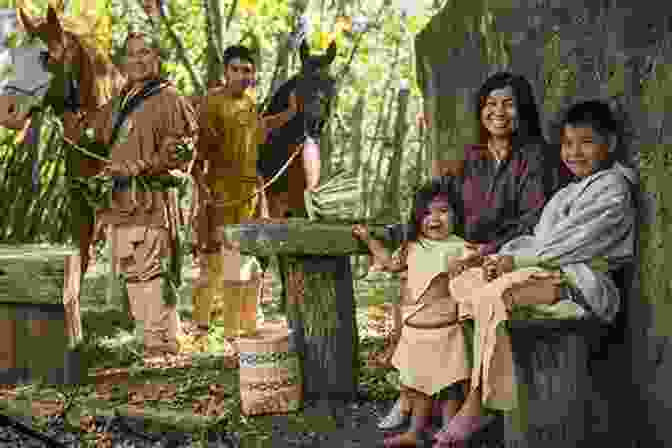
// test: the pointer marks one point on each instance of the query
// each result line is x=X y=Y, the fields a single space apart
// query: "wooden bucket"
x=270 y=377
x=39 y=314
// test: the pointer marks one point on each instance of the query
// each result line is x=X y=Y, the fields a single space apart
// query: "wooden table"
x=320 y=297
x=39 y=309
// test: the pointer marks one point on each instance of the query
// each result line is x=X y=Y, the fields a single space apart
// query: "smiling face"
x=437 y=220
x=583 y=150
x=142 y=61
x=499 y=113
x=239 y=75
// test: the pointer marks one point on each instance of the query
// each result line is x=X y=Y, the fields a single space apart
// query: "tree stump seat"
x=552 y=367
x=553 y=360
x=39 y=309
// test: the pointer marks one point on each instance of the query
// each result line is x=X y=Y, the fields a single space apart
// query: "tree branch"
x=181 y=52
x=232 y=12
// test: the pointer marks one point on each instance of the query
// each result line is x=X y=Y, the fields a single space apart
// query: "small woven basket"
x=270 y=379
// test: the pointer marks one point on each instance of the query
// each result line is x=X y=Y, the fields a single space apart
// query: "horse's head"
x=24 y=80
x=315 y=87
x=84 y=76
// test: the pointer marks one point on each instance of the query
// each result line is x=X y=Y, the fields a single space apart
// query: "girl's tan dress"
x=429 y=360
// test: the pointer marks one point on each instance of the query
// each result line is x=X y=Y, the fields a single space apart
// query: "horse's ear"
x=28 y=22
x=304 y=51
x=54 y=24
x=331 y=54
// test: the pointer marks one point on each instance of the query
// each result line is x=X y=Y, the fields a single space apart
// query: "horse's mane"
x=99 y=79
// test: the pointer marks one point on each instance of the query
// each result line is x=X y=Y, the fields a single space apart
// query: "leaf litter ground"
x=188 y=399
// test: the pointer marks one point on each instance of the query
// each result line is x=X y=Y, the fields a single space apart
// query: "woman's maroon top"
x=505 y=201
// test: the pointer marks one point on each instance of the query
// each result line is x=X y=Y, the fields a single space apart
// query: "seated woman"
x=585 y=231
x=431 y=353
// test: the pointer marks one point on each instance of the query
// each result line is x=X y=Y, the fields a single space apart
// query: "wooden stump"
x=321 y=311
x=551 y=359
x=39 y=310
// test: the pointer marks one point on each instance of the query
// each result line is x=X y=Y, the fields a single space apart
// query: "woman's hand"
x=474 y=247
x=361 y=232
x=293 y=104
x=497 y=265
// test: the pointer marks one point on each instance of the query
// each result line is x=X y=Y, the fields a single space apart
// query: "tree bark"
x=391 y=195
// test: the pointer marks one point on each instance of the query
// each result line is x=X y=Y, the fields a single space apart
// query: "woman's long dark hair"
x=529 y=128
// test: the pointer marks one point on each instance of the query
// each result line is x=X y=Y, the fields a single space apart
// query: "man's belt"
x=145 y=183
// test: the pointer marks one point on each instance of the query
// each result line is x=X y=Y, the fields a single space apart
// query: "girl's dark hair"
x=530 y=127
x=598 y=116
x=421 y=201
x=240 y=52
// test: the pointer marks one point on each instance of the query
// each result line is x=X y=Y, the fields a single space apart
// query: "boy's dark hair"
x=240 y=52
x=528 y=115
x=421 y=201
x=594 y=114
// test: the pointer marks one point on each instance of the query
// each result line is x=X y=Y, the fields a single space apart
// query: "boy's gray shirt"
x=589 y=219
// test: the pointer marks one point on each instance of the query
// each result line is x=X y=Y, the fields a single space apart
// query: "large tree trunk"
x=569 y=51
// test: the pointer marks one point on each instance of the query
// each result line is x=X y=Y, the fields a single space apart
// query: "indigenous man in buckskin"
x=144 y=128
x=230 y=129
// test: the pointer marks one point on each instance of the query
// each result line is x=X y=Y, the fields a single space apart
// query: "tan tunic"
x=430 y=359
x=490 y=305
x=166 y=114
x=140 y=139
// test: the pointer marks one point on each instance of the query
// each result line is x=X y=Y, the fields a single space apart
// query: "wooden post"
x=554 y=384
x=39 y=314
x=112 y=250
x=321 y=311
x=71 y=302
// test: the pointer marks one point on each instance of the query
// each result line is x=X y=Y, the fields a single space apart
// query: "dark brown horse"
x=314 y=88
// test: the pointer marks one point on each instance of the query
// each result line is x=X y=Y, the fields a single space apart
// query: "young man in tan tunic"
x=144 y=127
x=230 y=129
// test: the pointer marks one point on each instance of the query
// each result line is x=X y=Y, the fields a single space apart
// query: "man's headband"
x=238 y=61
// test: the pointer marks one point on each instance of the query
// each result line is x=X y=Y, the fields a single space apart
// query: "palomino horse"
x=314 y=89
x=74 y=94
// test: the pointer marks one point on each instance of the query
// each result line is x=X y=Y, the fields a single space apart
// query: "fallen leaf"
x=46 y=408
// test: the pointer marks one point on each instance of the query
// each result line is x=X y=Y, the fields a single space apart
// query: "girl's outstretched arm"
x=379 y=251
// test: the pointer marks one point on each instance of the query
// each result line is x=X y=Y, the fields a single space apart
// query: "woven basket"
x=270 y=379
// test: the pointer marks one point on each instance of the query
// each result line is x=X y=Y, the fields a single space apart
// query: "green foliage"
x=559 y=76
